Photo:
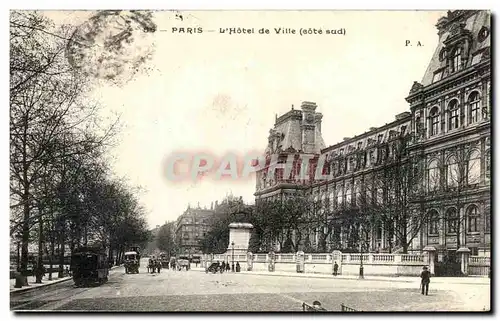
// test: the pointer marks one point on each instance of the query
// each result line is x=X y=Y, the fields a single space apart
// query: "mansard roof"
x=459 y=23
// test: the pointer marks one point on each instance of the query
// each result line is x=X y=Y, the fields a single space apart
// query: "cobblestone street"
x=197 y=291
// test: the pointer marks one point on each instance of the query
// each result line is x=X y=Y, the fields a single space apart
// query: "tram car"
x=89 y=266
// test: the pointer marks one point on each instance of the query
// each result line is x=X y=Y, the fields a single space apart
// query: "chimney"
x=308 y=106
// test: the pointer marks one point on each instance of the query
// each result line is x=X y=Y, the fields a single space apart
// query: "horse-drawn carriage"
x=89 y=265
x=132 y=262
x=164 y=260
x=183 y=263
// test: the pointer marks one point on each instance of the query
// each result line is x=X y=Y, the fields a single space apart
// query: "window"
x=452 y=172
x=473 y=102
x=456 y=62
x=473 y=167
x=474 y=251
x=379 y=138
x=340 y=198
x=487 y=220
x=472 y=217
x=452 y=221
x=434 y=118
x=483 y=34
x=437 y=76
x=453 y=116
x=403 y=130
x=380 y=196
x=341 y=151
x=433 y=176
x=487 y=164
x=433 y=222
x=360 y=145
x=348 y=195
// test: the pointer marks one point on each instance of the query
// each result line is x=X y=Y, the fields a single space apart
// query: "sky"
x=218 y=93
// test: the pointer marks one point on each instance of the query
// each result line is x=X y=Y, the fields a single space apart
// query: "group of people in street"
x=225 y=267
x=155 y=265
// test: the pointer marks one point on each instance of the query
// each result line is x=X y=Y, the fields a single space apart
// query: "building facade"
x=191 y=227
x=422 y=180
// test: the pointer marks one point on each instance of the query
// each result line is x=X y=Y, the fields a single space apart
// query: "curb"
x=328 y=277
x=67 y=278
x=23 y=289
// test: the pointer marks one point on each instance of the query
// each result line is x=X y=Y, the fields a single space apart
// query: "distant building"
x=190 y=229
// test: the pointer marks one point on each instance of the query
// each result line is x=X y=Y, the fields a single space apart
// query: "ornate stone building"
x=191 y=227
x=426 y=174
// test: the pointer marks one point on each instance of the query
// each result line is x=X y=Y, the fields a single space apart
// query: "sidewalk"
x=33 y=285
x=45 y=282
x=408 y=279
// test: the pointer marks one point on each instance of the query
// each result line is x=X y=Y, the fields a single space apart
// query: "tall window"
x=473 y=103
x=487 y=164
x=433 y=176
x=433 y=222
x=380 y=196
x=473 y=167
x=452 y=220
x=487 y=220
x=472 y=216
x=453 y=115
x=340 y=198
x=452 y=176
x=348 y=195
x=456 y=62
x=434 y=115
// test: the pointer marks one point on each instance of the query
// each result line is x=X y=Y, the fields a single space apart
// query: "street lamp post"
x=361 y=276
x=232 y=258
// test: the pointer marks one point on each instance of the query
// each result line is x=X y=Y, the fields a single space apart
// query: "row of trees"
x=62 y=193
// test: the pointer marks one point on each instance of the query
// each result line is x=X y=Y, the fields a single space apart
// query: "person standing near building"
x=426 y=279
x=335 y=269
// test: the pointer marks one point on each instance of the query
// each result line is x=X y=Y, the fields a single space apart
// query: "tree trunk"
x=39 y=267
x=61 y=252
x=51 y=257
x=25 y=237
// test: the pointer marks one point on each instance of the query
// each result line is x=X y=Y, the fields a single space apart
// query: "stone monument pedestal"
x=239 y=238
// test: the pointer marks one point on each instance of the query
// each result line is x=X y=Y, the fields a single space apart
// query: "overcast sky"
x=219 y=93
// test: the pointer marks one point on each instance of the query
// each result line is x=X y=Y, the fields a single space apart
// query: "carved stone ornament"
x=416 y=87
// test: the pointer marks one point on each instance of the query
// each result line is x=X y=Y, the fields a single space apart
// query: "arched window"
x=433 y=222
x=380 y=196
x=452 y=220
x=456 y=59
x=473 y=102
x=433 y=176
x=453 y=115
x=340 y=198
x=473 y=167
x=472 y=216
x=434 y=119
x=348 y=195
x=452 y=175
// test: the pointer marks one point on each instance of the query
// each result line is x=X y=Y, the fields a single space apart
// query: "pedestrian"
x=238 y=267
x=223 y=267
x=335 y=268
x=426 y=279
x=227 y=267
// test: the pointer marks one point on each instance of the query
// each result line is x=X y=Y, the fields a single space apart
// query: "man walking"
x=426 y=279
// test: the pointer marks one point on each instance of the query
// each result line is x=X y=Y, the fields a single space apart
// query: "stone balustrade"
x=349 y=263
